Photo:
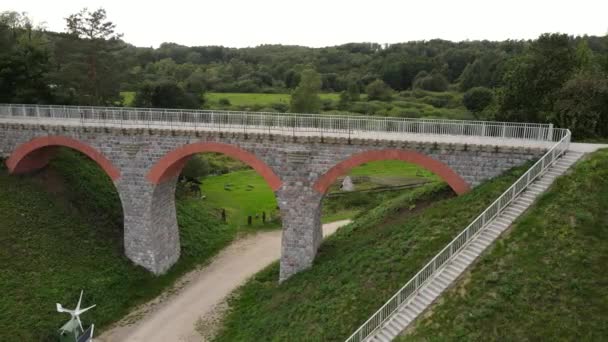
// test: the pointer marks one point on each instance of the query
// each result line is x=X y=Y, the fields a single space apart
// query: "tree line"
x=555 y=78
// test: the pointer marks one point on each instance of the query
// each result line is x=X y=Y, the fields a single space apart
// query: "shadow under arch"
x=173 y=162
x=37 y=153
x=457 y=183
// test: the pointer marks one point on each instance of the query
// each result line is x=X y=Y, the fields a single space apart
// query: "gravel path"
x=173 y=316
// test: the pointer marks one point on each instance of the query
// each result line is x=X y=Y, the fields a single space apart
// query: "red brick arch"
x=171 y=164
x=456 y=182
x=37 y=152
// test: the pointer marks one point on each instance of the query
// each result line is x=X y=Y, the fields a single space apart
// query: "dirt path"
x=173 y=317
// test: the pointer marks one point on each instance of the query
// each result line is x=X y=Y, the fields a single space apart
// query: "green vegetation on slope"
x=357 y=269
x=52 y=246
x=546 y=280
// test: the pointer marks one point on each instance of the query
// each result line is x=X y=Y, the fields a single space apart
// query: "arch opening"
x=457 y=183
x=228 y=182
x=80 y=177
x=37 y=153
x=171 y=165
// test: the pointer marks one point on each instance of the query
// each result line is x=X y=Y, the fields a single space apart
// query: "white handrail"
x=409 y=289
x=316 y=123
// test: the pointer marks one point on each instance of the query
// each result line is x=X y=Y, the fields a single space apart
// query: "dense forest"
x=555 y=78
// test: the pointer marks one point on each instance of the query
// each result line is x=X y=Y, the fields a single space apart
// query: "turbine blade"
x=59 y=308
x=85 y=309
x=79 y=300
x=79 y=323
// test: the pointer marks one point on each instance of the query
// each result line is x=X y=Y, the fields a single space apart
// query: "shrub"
x=378 y=90
x=224 y=102
x=327 y=104
x=280 y=107
x=477 y=99
x=195 y=168
x=432 y=82
x=582 y=106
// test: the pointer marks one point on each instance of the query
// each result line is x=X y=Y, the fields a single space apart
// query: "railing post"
x=504 y=129
x=550 y=134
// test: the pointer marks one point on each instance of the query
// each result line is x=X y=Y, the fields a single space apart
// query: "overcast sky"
x=241 y=23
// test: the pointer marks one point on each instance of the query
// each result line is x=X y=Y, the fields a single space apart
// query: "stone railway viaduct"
x=144 y=164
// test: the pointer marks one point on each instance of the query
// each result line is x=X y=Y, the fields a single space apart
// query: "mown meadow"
x=415 y=103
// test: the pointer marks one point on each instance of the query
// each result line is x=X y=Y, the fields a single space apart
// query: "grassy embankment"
x=357 y=269
x=546 y=280
x=64 y=233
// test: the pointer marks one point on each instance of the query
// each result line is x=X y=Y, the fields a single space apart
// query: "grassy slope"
x=546 y=280
x=53 y=245
x=356 y=270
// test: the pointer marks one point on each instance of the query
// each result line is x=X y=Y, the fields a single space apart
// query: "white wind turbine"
x=75 y=314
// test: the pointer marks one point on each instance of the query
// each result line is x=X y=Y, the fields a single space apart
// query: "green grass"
x=546 y=280
x=55 y=242
x=247 y=99
x=357 y=269
x=257 y=99
x=416 y=103
x=392 y=168
x=245 y=193
x=241 y=193
x=261 y=100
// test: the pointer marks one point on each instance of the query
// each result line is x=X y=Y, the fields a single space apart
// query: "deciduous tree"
x=305 y=99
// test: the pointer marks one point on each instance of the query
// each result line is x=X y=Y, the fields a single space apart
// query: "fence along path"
x=389 y=128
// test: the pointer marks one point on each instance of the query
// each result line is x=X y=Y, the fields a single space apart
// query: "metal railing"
x=411 y=287
x=276 y=122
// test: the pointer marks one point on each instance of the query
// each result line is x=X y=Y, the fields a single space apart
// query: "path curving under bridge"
x=174 y=317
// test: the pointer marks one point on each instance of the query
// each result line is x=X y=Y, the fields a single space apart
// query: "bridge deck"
x=289 y=131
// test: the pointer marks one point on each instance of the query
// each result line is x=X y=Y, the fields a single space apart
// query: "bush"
x=432 y=82
x=367 y=107
x=582 y=106
x=438 y=102
x=166 y=94
x=224 y=102
x=280 y=107
x=477 y=99
x=196 y=168
x=327 y=104
x=378 y=90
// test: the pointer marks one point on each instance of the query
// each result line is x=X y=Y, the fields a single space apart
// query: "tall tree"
x=305 y=99
x=24 y=61
x=533 y=80
x=96 y=45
